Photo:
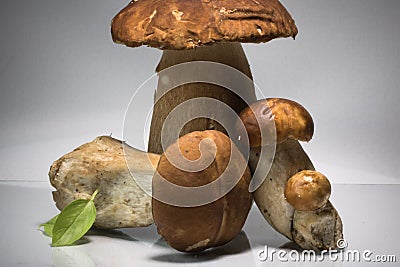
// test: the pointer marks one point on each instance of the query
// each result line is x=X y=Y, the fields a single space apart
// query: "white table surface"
x=370 y=215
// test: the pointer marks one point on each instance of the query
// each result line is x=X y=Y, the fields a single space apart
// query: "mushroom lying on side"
x=101 y=164
x=211 y=201
x=316 y=230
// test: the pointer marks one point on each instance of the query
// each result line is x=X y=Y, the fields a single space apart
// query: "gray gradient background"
x=63 y=82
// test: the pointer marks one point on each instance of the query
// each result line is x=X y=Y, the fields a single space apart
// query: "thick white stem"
x=194 y=97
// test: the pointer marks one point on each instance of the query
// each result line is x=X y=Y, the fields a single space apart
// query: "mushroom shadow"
x=291 y=246
x=110 y=233
x=239 y=244
x=139 y=234
x=71 y=256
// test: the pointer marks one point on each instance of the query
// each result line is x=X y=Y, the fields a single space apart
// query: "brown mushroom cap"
x=186 y=24
x=292 y=120
x=191 y=229
x=307 y=190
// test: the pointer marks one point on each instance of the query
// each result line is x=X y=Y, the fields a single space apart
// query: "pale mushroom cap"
x=186 y=24
x=292 y=121
x=307 y=190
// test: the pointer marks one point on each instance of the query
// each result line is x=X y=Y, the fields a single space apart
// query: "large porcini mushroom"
x=199 y=30
x=319 y=229
x=217 y=172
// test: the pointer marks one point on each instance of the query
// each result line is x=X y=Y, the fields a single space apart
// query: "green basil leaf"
x=74 y=221
x=48 y=226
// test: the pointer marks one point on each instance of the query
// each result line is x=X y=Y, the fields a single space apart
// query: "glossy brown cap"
x=191 y=229
x=186 y=24
x=292 y=121
x=307 y=190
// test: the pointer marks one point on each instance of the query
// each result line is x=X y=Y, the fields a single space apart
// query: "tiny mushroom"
x=307 y=190
x=199 y=30
x=190 y=228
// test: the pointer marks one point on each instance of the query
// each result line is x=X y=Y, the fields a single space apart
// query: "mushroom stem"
x=184 y=121
x=290 y=158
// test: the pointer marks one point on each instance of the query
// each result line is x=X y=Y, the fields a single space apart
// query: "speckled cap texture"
x=187 y=24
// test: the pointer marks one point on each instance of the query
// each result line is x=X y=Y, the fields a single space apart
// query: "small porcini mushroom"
x=191 y=228
x=317 y=230
x=199 y=30
x=307 y=190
